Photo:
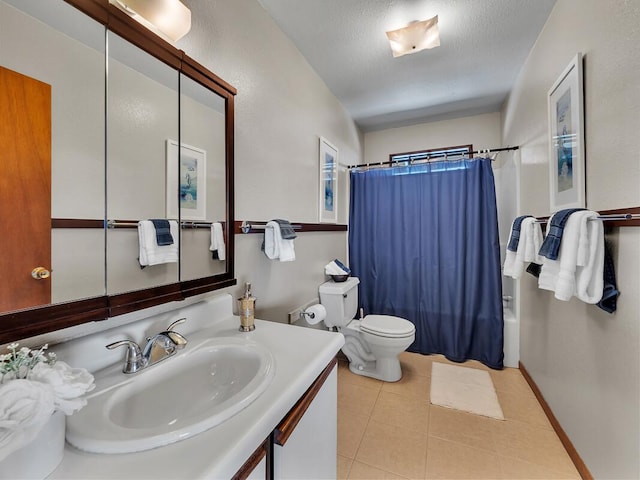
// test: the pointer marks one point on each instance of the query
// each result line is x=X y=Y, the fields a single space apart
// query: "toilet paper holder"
x=313 y=314
x=304 y=314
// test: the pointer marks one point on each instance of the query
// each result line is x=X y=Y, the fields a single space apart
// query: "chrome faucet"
x=160 y=346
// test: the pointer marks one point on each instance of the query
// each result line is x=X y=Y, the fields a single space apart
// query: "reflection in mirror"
x=142 y=114
x=52 y=153
x=202 y=193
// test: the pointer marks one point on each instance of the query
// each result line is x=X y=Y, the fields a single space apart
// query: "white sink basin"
x=182 y=396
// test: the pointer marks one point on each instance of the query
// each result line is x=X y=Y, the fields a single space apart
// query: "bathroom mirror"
x=142 y=113
x=202 y=166
x=56 y=204
x=108 y=170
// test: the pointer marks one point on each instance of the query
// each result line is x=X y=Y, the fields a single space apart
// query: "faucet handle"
x=134 y=360
x=178 y=340
x=176 y=323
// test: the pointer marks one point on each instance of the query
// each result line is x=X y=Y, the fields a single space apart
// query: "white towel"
x=275 y=247
x=217 y=240
x=150 y=252
x=578 y=271
x=25 y=406
x=333 y=268
x=527 y=251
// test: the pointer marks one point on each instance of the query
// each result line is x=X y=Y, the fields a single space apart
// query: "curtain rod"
x=429 y=157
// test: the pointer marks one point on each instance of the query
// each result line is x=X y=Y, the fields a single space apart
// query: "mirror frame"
x=26 y=323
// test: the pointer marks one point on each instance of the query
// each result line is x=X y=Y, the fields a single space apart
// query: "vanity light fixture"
x=170 y=19
x=415 y=37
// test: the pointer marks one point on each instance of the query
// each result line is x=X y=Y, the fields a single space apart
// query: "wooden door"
x=25 y=190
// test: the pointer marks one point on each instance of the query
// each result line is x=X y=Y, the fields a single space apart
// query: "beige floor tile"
x=462 y=427
x=356 y=399
x=533 y=444
x=344 y=465
x=350 y=432
x=409 y=413
x=416 y=363
x=523 y=408
x=388 y=448
x=510 y=380
x=514 y=469
x=454 y=460
x=362 y=471
x=409 y=385
x=347 y=376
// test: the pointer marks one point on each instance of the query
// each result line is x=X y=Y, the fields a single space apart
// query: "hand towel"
x=276 y=247
x=528 y=244
x=514 y=238
x=578 y=270
x=555 y=227
x=335 y=267
x=590 y=267
x=217 y=242
x=610 y=292
x=286 y=229
x=163 y=231
x=150 y=252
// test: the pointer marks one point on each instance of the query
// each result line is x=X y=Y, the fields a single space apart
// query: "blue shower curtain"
x=423 y=240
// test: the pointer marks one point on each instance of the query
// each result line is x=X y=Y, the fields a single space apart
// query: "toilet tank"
x=340 y=299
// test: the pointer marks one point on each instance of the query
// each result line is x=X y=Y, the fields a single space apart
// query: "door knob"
x=40 y=273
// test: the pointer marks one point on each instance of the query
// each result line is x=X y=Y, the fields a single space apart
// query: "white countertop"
x=300 y=356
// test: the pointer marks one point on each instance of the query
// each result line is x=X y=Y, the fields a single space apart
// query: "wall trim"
x=564 y=438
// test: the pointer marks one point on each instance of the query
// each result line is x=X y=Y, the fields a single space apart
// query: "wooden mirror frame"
x=29 y=322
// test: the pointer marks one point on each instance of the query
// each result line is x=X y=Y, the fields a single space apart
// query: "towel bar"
x=246 y=227
x=614 y=216
x=134 y=224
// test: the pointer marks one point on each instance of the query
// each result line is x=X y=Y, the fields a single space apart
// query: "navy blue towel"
x=610 y=293
x=515 y=233
x=286 y=230
x=163 y=232
x=534 y=269
x=344 y=268
x=551 y=244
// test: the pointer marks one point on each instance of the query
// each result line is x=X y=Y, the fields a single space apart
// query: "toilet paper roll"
x=315 y=314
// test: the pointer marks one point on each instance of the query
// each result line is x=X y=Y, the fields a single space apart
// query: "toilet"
x=373 y=343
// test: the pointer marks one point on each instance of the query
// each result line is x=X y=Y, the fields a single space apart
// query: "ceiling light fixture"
x=170 y=19
x=415 y=37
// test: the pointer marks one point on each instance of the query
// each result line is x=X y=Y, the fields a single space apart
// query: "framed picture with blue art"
x=186 y=182
x=566 y=139
x=328 y=182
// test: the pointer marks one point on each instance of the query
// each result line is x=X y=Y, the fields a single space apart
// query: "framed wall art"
x=566 y=139
x=328 y=182
x=188 y=173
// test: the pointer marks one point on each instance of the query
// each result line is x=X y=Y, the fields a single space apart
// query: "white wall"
x=483 y=131
x=585 y=361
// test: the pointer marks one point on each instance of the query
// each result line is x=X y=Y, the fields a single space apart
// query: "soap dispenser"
x=247 y=305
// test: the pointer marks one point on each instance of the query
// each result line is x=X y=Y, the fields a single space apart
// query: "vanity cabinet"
x=304 y=444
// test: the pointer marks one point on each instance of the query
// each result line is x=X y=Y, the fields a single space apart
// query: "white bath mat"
x=462 y=388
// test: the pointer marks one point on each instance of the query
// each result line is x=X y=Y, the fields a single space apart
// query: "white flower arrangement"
x=32 y=387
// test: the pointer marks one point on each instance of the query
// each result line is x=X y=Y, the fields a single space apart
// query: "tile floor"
x=391 y=431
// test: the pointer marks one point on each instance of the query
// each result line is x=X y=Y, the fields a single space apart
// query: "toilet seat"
x=387 y=326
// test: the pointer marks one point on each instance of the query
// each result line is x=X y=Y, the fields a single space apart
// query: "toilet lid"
x=387 y=326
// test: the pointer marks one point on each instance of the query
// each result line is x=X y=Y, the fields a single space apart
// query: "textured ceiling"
x=483 y=46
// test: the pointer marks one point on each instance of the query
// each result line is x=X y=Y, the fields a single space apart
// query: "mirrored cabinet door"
x=201 y=188
x=52 y=163
x=142 y=120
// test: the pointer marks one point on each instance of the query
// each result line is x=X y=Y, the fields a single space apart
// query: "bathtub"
x=511 y=339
